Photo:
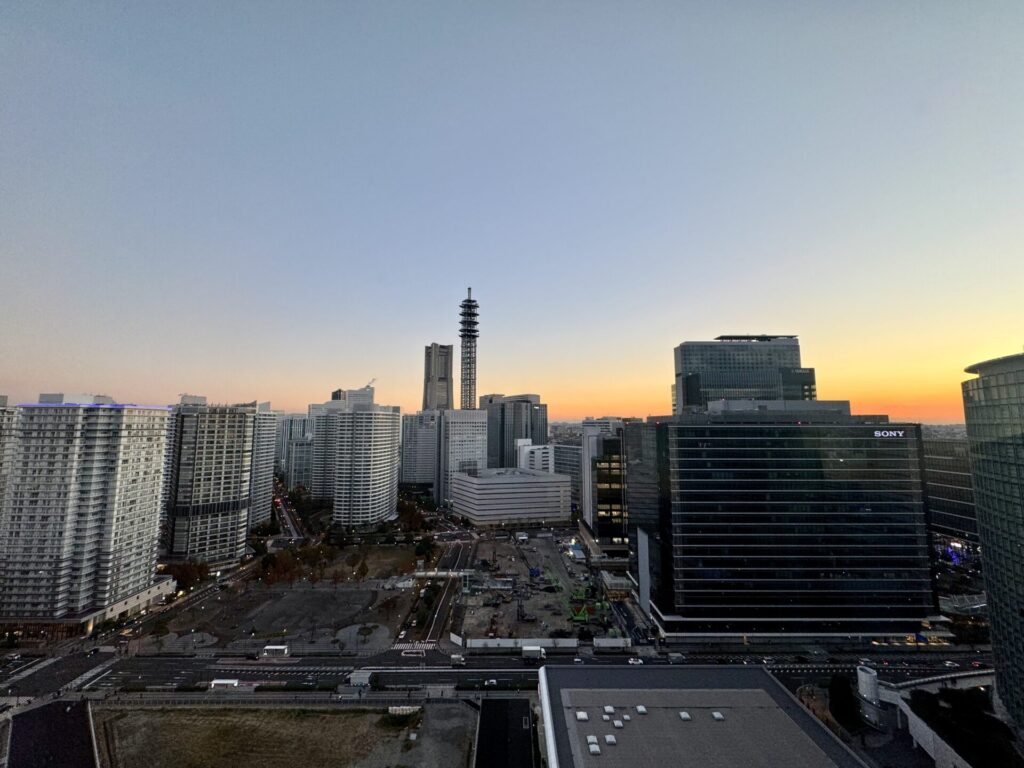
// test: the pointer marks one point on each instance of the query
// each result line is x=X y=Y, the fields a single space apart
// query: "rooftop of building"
x=758 y=337
x=512 y=472
x=712 y=717
x=997 y=365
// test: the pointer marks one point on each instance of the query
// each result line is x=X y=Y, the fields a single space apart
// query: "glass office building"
x=784 y=522
x=740 y=368
x=994 y=410
x=950 y=496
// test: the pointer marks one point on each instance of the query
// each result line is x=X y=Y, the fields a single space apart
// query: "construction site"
x=530 y=587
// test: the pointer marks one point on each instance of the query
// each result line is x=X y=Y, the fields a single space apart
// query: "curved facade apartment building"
x=211 y=482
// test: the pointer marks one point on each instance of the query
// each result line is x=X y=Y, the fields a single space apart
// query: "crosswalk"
x=417 y=646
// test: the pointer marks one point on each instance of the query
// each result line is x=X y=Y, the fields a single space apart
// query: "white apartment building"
x=512 y=497
x=537 y=457
x=366 y=464
x=264 y=438
x=356 y=455
x=80 y=510
x=419 y=447
x=211 y=483
x=461 y=447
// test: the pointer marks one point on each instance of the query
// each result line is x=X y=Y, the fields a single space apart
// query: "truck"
x=522 y=537
x=534 y=652
x=223 y=683
x=458 y=660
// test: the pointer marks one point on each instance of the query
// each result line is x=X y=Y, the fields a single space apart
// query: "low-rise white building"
x=510 y=495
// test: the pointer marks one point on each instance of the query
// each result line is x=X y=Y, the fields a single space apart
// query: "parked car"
x=635 y=660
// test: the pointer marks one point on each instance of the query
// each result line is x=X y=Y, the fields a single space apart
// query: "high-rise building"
x=300 y=462
x=290 y=426
x=79 y=515
x=594 y=433
x=555 y=458
x=264 y=438
x=356 y=455
x=949 y=493
x=437 y=378
x=468 y=332
x=511 y=418
x=740 y=368
x=366 y=459
x=798 y=522
x=606 y=515
x=461 y=447
x=211 y=481
x=994 y=410
x=419 y=448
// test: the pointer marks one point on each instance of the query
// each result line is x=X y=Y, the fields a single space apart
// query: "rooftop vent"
x=617 y=723
x=609 y=739
x=606 y=718
x=718 y=716
x=685 y=716
x=641 y=709
x=582 y=717
x=591 y=739
x=627 y=718
x=609 y=710
x=595 y=750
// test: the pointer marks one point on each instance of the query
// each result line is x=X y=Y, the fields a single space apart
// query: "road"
x=458 y=557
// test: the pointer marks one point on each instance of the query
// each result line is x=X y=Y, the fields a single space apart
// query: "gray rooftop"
x=759 y=724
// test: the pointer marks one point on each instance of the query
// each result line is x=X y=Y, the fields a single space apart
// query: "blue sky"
x=269 y=200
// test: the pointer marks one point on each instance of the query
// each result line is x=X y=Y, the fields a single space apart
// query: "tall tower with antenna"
x=468 y=333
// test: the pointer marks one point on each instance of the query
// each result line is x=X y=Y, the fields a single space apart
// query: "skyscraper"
x=509 y=419
x=740 y=368
x=994 y=411
x=300 y=462
x=264 y=437
x=950 y=494
x=356 y=457
x=468 y=311
x=794 y=518
x=211 y=481
x=419 y=448
x=461 y=447
x=79 y=515
x=290 y=426
x=437 y=378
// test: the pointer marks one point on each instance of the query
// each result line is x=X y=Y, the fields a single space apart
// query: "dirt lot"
x=271 y=738
x=277 y=611
x=381 y=562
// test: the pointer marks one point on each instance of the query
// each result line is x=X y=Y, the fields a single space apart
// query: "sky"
x=271 y=200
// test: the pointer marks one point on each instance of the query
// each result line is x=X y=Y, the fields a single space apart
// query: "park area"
x=270 y=738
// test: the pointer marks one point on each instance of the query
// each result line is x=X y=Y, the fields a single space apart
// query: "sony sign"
x=889 y=432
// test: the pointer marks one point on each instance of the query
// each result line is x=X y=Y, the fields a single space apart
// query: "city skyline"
x=268 y=216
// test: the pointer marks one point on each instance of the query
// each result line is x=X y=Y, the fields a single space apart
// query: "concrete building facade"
x=264 y=439
x=461 y=447
x=437 y=378
x=511 y=418
x=419 y=448
x=211 y=482
x=80 y=511
x=504 y=496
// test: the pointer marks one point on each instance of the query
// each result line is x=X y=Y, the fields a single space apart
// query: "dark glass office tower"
x=511 y=418
x=950 y=494
x=994 y=410
x=807 y=523
x=740 y=368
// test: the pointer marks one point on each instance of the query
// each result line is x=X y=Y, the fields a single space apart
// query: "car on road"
x=401 y=635
x=951 y=664
x=577 y=660
x=490 y=683
x=634 y=660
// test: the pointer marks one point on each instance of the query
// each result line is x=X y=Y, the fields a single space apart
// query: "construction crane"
x=371 y=383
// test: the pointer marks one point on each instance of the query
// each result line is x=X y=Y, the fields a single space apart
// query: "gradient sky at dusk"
x=270 y=200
